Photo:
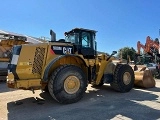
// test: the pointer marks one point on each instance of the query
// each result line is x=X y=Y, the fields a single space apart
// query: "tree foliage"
x=125 y=52
x=156 y=40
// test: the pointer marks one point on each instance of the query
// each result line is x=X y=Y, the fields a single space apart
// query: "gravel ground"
x=98 y=103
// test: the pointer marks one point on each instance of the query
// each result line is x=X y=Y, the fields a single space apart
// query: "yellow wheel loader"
x=65 y=67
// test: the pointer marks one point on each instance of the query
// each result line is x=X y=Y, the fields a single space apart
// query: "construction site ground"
x=98 y=103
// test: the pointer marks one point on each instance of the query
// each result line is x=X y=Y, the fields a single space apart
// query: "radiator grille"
x=38 y=60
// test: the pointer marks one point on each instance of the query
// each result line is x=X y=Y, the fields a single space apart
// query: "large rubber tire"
x=120 y=83
x=67 y=75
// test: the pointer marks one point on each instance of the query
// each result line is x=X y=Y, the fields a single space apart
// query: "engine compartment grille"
x=38 y=60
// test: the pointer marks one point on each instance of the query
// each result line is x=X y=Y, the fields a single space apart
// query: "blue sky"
x=119 y=23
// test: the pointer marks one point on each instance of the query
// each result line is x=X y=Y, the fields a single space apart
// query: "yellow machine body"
x=31 y=67
x=65 y=67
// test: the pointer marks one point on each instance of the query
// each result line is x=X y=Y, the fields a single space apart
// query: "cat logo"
x=61 y=50
x=67 y=50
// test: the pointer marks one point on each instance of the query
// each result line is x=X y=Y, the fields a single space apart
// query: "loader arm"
x=101 y=70
x=102 y=65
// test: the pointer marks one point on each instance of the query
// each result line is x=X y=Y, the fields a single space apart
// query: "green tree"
x=157 y=40
x=126 y=52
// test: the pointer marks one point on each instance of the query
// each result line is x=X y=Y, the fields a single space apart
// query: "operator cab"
x=83 y=41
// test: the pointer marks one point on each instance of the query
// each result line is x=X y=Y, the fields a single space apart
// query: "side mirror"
x=114 y=52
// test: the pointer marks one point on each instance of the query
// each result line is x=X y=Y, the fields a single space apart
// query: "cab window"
x=73 y=38
x=86 y=40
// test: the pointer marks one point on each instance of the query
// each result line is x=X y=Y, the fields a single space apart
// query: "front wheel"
x=123 y=78
x=67 y=84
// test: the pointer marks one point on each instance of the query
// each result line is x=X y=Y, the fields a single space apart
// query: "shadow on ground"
x=103 y=103
x=4 y=88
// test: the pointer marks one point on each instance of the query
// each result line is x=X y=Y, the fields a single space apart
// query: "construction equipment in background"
x=151 y=47
x=142 y=73
x=66 y=66
x=7 y=41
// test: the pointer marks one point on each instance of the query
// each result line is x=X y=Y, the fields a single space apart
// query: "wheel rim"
x=71 y=84
x=126 y=78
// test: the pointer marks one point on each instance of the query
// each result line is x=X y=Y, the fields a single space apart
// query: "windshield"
x=73 y=38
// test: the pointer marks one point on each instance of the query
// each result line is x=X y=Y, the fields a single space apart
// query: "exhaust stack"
x=53 y=35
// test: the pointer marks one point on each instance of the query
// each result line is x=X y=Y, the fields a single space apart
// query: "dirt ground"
x=98 y=103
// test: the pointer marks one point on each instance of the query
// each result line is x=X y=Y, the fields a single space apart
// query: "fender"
x=45 y=76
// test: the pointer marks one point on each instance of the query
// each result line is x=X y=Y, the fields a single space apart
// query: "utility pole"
x=159 y=33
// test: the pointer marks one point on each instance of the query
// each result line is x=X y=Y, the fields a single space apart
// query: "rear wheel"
x=67 y=84
x=123 y=78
